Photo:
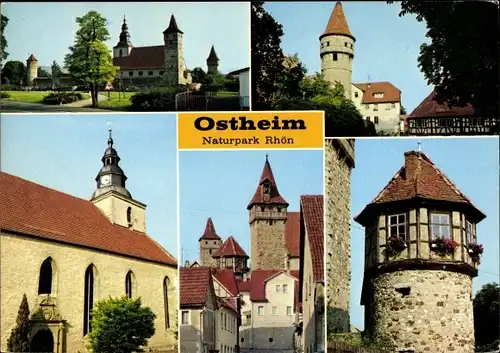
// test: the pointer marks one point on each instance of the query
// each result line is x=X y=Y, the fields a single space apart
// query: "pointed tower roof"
x=337 y=25
x=209 y=233
x=32 y=58
x=230 y=248
x=213 y=55
x=267 y=176
x=172 y=27
x=419 y=178
x=124 y=39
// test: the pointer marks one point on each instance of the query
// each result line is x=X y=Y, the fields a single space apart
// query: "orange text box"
x=281 y=129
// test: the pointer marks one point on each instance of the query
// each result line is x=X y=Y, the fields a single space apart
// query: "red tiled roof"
x=152 y=58
x=312 y=210
x=230 y=248
x=227 y=279
x=32 y=58
x=228 y=303
x=209 y=233
x=292 y=233
x=370 y=89
x=430 y=108
x=258 y=279
x=195 y=282
x=419 y=177
x=36 y=210
x=258 y=197
x=337 y=24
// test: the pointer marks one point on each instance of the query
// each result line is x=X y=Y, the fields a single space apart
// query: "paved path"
x=82 y=106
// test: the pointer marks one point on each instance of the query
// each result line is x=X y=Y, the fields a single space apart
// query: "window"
x=278 y=288
x=140 y=73
x=185 y=317
x=221 y=320
x=356 y=94
x=275 y=310
x=165 y=302
x=150 y=73
x=375 y=119
x=327 y=43
x=129 y=282
x=131 y=73
x=367 y=118
x=45 y=280
x=393 y=105
x=88 y=304
x=375 y=107
x=367 y=106
x=335 y=56
x=397 y=226
x=387 y=107
x=285 y=288
x=289 y=311
x=470 y=234
x=440 y=225
x=267 y=188
x=129 y=215
x=378 y=95
x=260 y=310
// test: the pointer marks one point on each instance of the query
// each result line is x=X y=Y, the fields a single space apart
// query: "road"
x=77 y=107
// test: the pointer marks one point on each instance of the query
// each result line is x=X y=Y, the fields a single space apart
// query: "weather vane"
x=419 y=146
x=109 y=128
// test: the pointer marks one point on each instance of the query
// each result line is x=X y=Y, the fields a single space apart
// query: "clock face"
x=105 y=179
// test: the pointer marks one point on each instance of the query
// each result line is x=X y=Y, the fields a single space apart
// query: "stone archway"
x=42 y=342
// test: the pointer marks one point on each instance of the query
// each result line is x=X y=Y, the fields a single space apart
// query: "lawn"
x=117 y=101
x=31 y=96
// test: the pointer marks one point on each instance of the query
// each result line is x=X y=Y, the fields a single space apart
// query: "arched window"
x=90 y=274
x=45 y=280
x=129 y=215
x=129 y=284
x=165 y=301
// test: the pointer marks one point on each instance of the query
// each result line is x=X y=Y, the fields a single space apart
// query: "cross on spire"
x=267 y=157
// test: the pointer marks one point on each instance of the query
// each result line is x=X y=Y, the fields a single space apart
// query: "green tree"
x=486 y=313
x=289 y=79
x=267 y=56
x=3 y=42
x=18 y=340
x=198 y=75
x=42 y=73
x=121 y=325
x=462 y=59
x=14 y=72
x=89 y=60
x=402 y=110
x=56 y=69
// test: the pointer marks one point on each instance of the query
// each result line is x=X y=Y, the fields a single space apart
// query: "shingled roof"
x=32 y=58
x=209 y=233
x=256 y=285
x=213 y=55
x=312 y=211
x=337 y=24
x=258 y=197
x=227 y=279
x=430 y=108
x=35 y=210
x=230 y=248
x=145 y=58
x=195 y=282
x=292 y=233
x=420 y=178
x=390 y=94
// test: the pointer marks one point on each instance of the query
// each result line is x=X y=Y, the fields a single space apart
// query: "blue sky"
x=470 y=163
x=386 y=47
x=220 y=185
x=64 y=152
x=47 y=29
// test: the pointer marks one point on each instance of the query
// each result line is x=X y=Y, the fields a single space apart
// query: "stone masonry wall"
x=436 y=316
x=207 y=248
x=338 y=248
x=268 y=245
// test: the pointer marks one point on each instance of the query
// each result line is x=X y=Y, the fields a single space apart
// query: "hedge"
x=62 y=98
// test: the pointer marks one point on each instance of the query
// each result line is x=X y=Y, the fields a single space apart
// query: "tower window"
x=345 y=44
x=267 y=188
x=397 y=223
x=210 y=251
x=335 y=56
x=140 y=73
x=375 y=120
x=206 y=242
x=327 y=43
x=129 y=215
x=440 y=225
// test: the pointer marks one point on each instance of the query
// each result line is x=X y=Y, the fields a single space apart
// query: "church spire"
x=111 y=177
x=212 y=62
x=124 y=35
x=267 y=189
x=172 y=27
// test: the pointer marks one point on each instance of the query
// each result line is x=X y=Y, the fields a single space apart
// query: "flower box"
x=443 y=246
x=475 y=251
x=395 y=245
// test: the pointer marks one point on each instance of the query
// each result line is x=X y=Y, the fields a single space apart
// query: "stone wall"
x=435 y=316
x=268 y=245
x=338 y=166
x=207 y=249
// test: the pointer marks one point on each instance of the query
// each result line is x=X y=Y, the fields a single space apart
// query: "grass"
x=31 y=96
x=116 y=101
x=226 y=93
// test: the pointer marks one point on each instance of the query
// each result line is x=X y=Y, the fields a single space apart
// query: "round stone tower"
x=420 y=257
x=32 y=70
x=337 y=50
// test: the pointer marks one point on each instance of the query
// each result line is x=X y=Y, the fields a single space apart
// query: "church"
x=280 y=296
x=66 y=254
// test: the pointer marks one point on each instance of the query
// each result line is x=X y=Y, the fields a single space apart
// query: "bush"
x=155 y=100
x=8 y=87
x=132 y=89
x=4 y=95
x=62 y=98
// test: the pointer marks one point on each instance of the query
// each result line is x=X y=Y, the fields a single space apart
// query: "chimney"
x=412 y=164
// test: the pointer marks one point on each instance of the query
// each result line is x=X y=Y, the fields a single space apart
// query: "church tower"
x=209 y=243
x=421 y=254
x=124 y=45
x=212 y=62
x=337 y=50
x=175 y=68
x=267 y=218
x=113 y=198
x=32 y=70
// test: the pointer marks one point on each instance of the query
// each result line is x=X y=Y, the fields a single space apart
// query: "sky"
x=470 y=163
x=386 y=48
x=220 y=184
x=63 y=152
x=32 y=26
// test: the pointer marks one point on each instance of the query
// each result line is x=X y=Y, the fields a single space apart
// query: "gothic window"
x=88 y=299
x=397 y=226
x=140 y=73
x=335 y=56
x=150 y=73
x=121 y=53
x=129 y=284
x=45 y=280
x=470 y=234
x=165 y=302
x=129 y=215
x=440 y=225
x=131 y=73
x=375 y=119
